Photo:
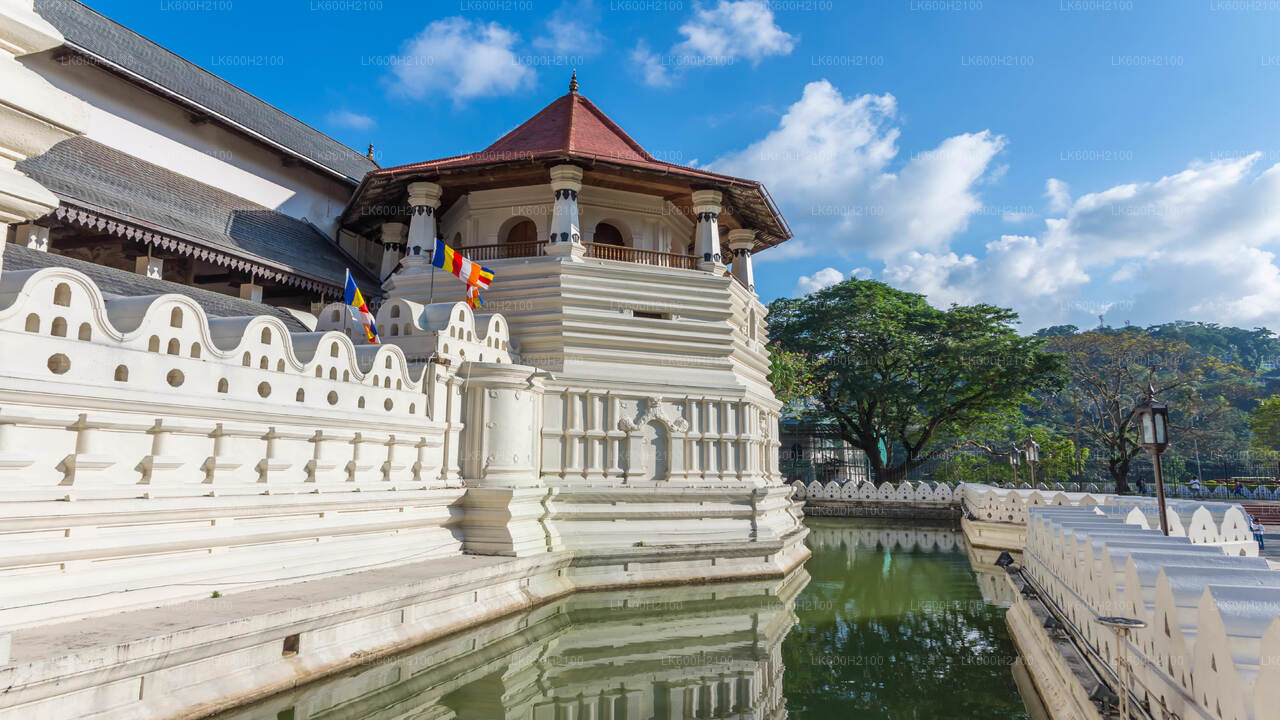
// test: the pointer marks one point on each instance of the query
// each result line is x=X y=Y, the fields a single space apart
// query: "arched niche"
x=655 y=448
x=608 y=234
x=518 y=229
x=613 y=232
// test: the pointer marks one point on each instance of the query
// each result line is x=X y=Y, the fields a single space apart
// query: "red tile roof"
x=573 y=127
x=571 y=124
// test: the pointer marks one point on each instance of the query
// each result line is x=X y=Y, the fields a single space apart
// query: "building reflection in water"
x=888 y=610
x=710 y=651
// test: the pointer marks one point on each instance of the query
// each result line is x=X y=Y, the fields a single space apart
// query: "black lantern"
x=1153 y=423
x=1152 y=417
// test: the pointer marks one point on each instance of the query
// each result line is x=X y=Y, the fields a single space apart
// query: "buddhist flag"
x=356 y=301
x=476 y=276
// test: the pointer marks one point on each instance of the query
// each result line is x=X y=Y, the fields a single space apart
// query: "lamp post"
x=1032 y=450
x=1153 y=424
x=1013 y=462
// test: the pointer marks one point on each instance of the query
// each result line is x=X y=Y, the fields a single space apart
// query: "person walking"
x=1257 y=529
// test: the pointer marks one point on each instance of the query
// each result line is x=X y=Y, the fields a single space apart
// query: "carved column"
x=424 y=200
x=565 y=239
x=706 y=206
x=392 y=241
x=740 y=243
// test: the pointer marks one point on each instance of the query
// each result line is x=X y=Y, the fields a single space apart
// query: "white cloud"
x=826 y=277
x=730 y=31
x=1200 y=244
x=829 y=164
x=348 y=119
x=652 y=70
x=460 y=58
x=1058 y=194
x=571 y=31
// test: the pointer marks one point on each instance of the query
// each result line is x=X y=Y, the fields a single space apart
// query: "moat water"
x=883 y=622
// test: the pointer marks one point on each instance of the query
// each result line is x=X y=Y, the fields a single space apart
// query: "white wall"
x=144 y=125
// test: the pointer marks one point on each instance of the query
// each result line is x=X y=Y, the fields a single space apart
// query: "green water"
x=893 y=625
x=882 y=623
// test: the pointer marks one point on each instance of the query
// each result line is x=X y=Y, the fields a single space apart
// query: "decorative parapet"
x=1212 y=610
x=862 y=491
x=1009 y=505
x=450 y=331
x=100 y=395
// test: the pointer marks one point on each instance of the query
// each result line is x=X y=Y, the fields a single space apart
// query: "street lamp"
x=1013 y=462
x=1032 y=450
x=1153 y=423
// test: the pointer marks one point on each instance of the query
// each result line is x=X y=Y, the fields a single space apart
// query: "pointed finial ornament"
x=573 y=82
x=370 y=153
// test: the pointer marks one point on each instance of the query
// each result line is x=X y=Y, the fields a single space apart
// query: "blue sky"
x=1063 y=157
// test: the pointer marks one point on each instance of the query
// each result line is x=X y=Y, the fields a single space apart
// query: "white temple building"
x=212 y=488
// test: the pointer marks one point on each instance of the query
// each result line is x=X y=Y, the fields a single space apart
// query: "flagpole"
x=431 y=292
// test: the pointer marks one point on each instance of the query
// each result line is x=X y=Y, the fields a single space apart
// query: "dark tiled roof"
x=85 y=29
x=88 y=173
x=113 y=281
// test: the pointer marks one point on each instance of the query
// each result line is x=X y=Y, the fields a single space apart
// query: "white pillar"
x=740 y=243
x=501 y=451
x=392 y=241
x=424 y=199
x=565 y=239
x=706 y=206
x=37 y=114
x=152 y=267
x=251 y=291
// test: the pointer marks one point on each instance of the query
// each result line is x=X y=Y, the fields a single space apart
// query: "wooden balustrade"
x=503 y=251
x=644 y=257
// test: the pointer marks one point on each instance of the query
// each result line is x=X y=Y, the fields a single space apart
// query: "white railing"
x=1212 y=639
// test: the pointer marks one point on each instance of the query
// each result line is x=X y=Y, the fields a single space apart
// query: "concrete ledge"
x=1054 y=665
x=994 y=535
x=881 y=509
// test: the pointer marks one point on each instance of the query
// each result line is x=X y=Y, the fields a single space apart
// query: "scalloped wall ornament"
x=654 y=410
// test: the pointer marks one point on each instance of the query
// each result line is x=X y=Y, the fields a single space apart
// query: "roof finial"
x=370 y=153
x=573 y=82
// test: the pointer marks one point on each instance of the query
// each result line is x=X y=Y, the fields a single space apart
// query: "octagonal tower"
x=627 y=278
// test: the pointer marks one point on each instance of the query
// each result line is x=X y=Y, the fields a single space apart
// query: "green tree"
x=1110 y=373
x=903 y=381
x=1265 y=422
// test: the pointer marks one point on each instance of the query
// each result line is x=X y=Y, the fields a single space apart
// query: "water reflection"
x=711 y=651
x=883 y=622
x=895 y=625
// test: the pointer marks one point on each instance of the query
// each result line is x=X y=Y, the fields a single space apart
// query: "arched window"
x=607 y=234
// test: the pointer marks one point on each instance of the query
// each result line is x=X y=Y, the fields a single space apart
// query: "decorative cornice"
x=70 y=212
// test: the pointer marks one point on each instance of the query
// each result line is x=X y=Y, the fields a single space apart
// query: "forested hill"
x=1257 y=350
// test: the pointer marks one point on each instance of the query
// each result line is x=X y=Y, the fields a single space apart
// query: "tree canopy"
x=904 y=382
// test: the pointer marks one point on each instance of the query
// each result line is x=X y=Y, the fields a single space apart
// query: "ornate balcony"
x=505 y=251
